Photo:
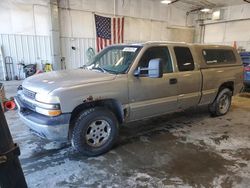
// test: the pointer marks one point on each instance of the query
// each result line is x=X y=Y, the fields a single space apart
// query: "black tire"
x=224 y=96
x=86 y=126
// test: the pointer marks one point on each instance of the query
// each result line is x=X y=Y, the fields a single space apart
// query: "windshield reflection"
x=114 y=59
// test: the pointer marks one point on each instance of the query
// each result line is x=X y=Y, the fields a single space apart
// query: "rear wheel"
x=222 y=103
x=95 y=131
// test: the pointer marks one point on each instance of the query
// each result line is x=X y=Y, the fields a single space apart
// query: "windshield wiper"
x=99 y=68
x=111 y=71
x=104 y=70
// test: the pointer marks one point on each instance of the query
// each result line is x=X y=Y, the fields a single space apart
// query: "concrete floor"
x=187 y=149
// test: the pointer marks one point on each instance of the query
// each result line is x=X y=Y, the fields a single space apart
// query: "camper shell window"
x=219 y=56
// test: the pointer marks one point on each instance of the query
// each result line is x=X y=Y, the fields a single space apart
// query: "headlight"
x=48 y=105
x=47 y=99
x=47 y=112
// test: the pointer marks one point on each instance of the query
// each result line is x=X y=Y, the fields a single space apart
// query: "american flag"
x=108 y=31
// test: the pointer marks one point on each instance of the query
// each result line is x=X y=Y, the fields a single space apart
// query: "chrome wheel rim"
x=224 y=104
x=98 y=133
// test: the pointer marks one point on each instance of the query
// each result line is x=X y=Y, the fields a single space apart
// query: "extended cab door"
x=189 y=78
x=153 y=96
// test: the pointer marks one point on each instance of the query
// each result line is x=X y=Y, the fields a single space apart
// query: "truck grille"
x=29 y=94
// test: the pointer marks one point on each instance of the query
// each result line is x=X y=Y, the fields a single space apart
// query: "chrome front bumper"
x=51 y=128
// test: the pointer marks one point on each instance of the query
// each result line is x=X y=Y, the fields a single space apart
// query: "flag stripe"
x=122 y=32
x=97 y=44
x=100 y=43
x=118 y=33
x=105 y=43
x=114 y=30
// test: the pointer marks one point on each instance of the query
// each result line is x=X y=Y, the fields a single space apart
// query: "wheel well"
x=111 y=104
x=229 y=85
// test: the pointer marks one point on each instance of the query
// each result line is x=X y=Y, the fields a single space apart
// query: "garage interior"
x=184 y=149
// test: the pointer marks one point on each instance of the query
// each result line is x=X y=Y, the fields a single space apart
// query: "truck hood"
x=46 y=82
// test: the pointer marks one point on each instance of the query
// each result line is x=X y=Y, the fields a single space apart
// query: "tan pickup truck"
x=126 y=83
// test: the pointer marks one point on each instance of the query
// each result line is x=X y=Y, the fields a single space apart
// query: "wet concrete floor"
x=185 y=149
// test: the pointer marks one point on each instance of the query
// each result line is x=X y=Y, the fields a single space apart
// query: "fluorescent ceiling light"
x=166 y=2
x=216 y=15
x=205 y=10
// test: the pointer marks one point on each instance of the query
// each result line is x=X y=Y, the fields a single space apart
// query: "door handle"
x=173 y=81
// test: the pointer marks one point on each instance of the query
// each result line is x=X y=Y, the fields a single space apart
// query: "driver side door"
x=153 y=96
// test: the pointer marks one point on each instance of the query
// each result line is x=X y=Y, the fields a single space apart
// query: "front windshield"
x=114 y=59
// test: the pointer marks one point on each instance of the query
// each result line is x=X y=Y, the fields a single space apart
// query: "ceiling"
x=196 y=4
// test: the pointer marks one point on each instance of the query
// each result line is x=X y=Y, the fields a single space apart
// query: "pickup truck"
x=125 y=83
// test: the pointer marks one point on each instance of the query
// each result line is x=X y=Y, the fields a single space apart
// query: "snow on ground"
x=186 y=149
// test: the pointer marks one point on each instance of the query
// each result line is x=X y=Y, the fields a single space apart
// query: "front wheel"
x=95 y=131
x=222 y=103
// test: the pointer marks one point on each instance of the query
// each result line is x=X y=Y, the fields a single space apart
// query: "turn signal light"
x=47 y=112
x=54 y=112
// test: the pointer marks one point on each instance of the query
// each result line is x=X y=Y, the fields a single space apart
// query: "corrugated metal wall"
x=26 y=48
x=78 y=57
x=37 y=49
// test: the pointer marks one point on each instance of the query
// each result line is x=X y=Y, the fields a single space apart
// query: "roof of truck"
x=149 y=43
x=184 y=43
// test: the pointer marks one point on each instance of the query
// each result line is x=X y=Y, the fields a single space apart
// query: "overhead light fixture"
x=205 y=10
x=216 y=15
x=166 y=2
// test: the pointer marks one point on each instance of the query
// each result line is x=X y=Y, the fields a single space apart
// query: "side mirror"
x=155 y=69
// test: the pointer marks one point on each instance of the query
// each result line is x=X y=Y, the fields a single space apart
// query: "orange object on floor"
x=10 y=105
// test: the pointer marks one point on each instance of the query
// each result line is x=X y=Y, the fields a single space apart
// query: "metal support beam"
x=55 y=34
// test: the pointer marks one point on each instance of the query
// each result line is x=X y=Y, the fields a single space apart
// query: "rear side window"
x=214 y=56
x=184 y=59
